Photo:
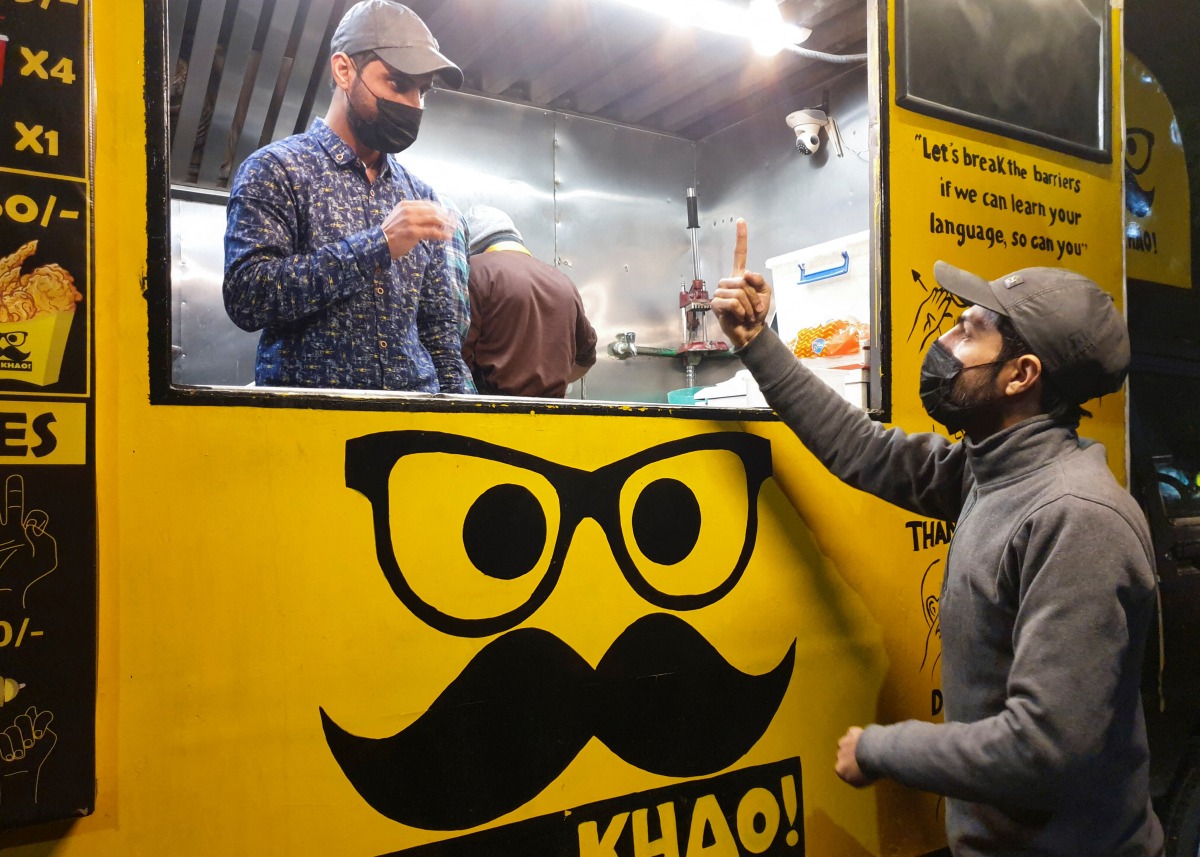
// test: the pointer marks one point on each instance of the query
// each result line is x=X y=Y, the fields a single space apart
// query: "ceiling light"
x=761 y=24
x=767 y=23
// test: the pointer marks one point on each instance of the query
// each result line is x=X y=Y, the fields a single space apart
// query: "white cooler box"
x=823 y=282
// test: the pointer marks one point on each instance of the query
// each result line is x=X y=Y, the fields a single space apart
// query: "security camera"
x=807 y=124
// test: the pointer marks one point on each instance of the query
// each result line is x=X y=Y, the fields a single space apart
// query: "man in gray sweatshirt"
x=1049 y=585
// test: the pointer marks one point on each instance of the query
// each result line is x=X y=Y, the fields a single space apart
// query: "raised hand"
x=27 y=551
x=24 y=747
x=741 y=300
x=413 y=221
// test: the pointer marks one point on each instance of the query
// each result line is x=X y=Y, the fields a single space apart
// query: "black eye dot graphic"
x=1138 y=145
x=505 y=531
x=666 y=521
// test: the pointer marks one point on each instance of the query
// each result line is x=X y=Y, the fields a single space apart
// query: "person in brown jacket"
x=529 y=334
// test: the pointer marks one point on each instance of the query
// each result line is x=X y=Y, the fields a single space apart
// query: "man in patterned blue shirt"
x=334 y=250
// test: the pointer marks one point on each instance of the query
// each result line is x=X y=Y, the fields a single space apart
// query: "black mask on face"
x=394 y=127
x=940 y=371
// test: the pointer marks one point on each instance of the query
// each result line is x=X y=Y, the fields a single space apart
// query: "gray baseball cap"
x=1068 y=321
x=397 y=36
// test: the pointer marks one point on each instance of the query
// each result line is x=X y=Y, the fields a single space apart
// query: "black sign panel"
x=44 y=86
x=47 y=643
x=43 y=258
x=48 y=592
x=752 y=811
x=45 y=189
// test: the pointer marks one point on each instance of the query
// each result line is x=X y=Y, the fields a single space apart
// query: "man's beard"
x=974 y=394
x=974 y=391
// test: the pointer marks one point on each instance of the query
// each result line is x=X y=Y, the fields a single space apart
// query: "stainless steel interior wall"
x=207 y=348
x=789 y=200
x=623 y=239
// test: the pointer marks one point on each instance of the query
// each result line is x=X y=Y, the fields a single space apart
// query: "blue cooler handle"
x=827 y=273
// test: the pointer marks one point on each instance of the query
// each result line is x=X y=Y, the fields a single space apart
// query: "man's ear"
x=1027 y=371
x=343 y=70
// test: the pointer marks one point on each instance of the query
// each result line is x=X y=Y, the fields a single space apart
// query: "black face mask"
x=939 y=371
x=394 y=128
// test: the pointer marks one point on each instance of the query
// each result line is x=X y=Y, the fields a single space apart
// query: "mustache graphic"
x=11 y=352
x=662 y=698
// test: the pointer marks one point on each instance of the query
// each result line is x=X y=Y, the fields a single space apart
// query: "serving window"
x=594 y=164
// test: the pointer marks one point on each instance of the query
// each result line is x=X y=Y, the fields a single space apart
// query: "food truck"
x=633 y=621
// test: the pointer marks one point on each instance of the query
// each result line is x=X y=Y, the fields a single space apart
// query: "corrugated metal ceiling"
x=245 y=72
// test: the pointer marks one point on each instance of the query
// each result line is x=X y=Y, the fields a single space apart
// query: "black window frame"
x=157 y=290
x=1101 y=153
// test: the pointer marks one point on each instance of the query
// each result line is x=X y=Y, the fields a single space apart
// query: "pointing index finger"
x=739 y=250
x=14 y=499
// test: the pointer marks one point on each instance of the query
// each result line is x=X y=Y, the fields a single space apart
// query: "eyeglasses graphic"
x=679 y=536
x=1139 y=146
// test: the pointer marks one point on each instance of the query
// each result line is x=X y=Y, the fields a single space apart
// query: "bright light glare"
x=762 y=24
x=767 y=36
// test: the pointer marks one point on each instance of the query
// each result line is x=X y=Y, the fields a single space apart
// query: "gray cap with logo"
x=397 y=36
x=1068 y=321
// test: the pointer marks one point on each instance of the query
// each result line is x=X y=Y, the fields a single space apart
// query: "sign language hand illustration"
x=25 y=744
x=27 y=551
x=937 y=309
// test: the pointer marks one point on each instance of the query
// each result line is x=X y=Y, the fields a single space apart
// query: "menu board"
x=47 y=461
